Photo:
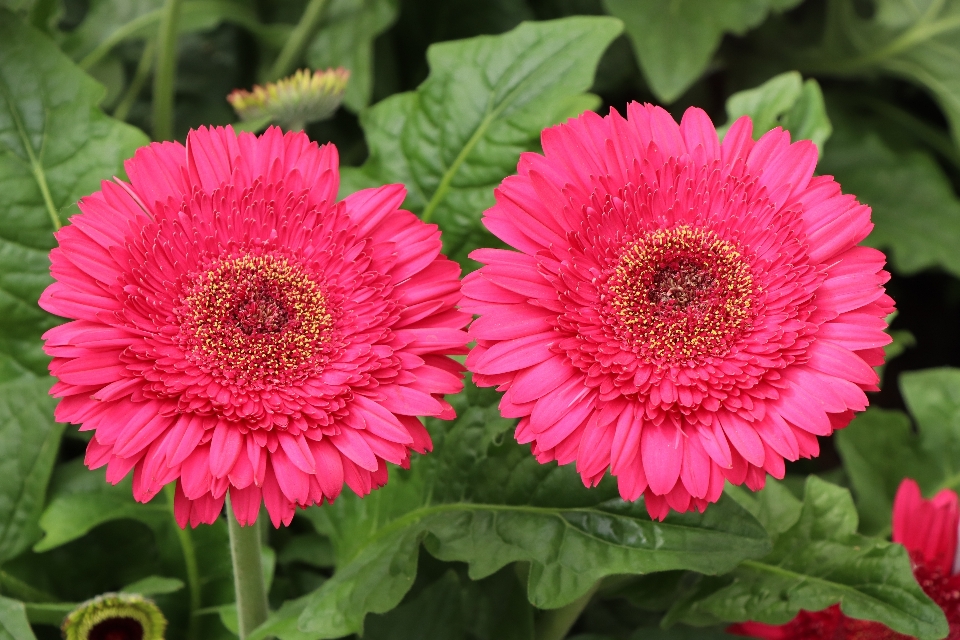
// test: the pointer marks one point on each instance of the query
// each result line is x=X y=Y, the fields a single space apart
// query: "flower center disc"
x=681 y=294
x=254 y=316
x=117 y=629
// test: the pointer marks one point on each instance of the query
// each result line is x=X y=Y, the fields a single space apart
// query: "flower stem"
x=555 y=624
x=252 y=608
x=190 y=561
x=297 y=43
x=164 y=80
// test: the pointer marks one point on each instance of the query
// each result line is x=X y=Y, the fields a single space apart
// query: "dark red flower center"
x=680 y=294
x=117 y=629
x=254 y=316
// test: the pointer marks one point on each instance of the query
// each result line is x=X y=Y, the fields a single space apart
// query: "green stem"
x=297 y=43
x=165 y=79
x=252 y=608
x=555 y=624
x=193 y=571
x=139 y=79
x=132 y=28
x=41 y=13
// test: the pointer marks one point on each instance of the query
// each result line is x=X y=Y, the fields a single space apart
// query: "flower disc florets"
x=679 y=312
x=237 y=329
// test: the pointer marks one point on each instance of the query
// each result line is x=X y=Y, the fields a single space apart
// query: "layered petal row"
x=676 y=311
x=236 y=329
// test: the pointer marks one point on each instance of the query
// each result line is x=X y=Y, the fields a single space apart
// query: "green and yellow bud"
x=294 y=101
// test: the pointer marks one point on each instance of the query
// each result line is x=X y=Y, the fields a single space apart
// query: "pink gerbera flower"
x=237 y=329
x=928 y=529
x=679 y=311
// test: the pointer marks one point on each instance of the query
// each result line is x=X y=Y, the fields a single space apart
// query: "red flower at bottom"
x=928 y=529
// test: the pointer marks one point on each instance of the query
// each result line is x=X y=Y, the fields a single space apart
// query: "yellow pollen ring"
x=255 y=315
x=680 y=294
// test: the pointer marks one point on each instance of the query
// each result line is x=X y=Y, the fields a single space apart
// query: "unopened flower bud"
x=294 y=101
x=115 y=616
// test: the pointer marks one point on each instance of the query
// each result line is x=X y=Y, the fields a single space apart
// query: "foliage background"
x=477 y=541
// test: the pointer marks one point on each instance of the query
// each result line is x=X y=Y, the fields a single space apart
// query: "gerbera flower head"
x=237 y=329
x=928 y=529
x=678 y=311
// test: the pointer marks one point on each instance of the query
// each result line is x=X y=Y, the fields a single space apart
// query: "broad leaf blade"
x=915 y=210
x=485 y=102
x=481 y=499
x=29 y=440
x=55 y=147
x=821 y=561
x=13 y=621
x=879 y=450
x=675 y=40
x=918 y=40
x=81 y=499
x=933 y=397
x=783 y=101
x=345 y=39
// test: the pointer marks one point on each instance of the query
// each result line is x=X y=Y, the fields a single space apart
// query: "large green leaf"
x=933 y=397
x=879 y=449
x=783 y=101
x=454 y=607
x=55 y=146
x=13 y=621
x=29 y=439
x=915 y=210
x=110 y=22
x=81 y=499
x=486 y=100
x=345 y=39
x=675 y=39
x=482 y=499
x=918 y=40
x=821 y=561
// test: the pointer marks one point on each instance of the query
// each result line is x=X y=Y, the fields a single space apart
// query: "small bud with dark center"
x=115 y=616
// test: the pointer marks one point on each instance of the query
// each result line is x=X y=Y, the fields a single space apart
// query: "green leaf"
x=55 y=146
x=915 y=210
x=912 y=39
x=110 y=22
x=482 y=499
x=674 y=40
x=783 y=101
x=345 y=39
x=821 y=561
x=454 y=607
x=681 y=632
x=774 y=506
x=310 y=549
x=154 y=585
x=49 y=613
x=29 y=440
x=435 y=613
x=81 y=499
x=879 y=450
x=13 y=621
x=933 y=397
x=485 y=101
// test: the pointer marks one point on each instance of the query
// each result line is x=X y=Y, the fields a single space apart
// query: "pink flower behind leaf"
x=928 y=529
x=234 y=328
x=678 y=311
